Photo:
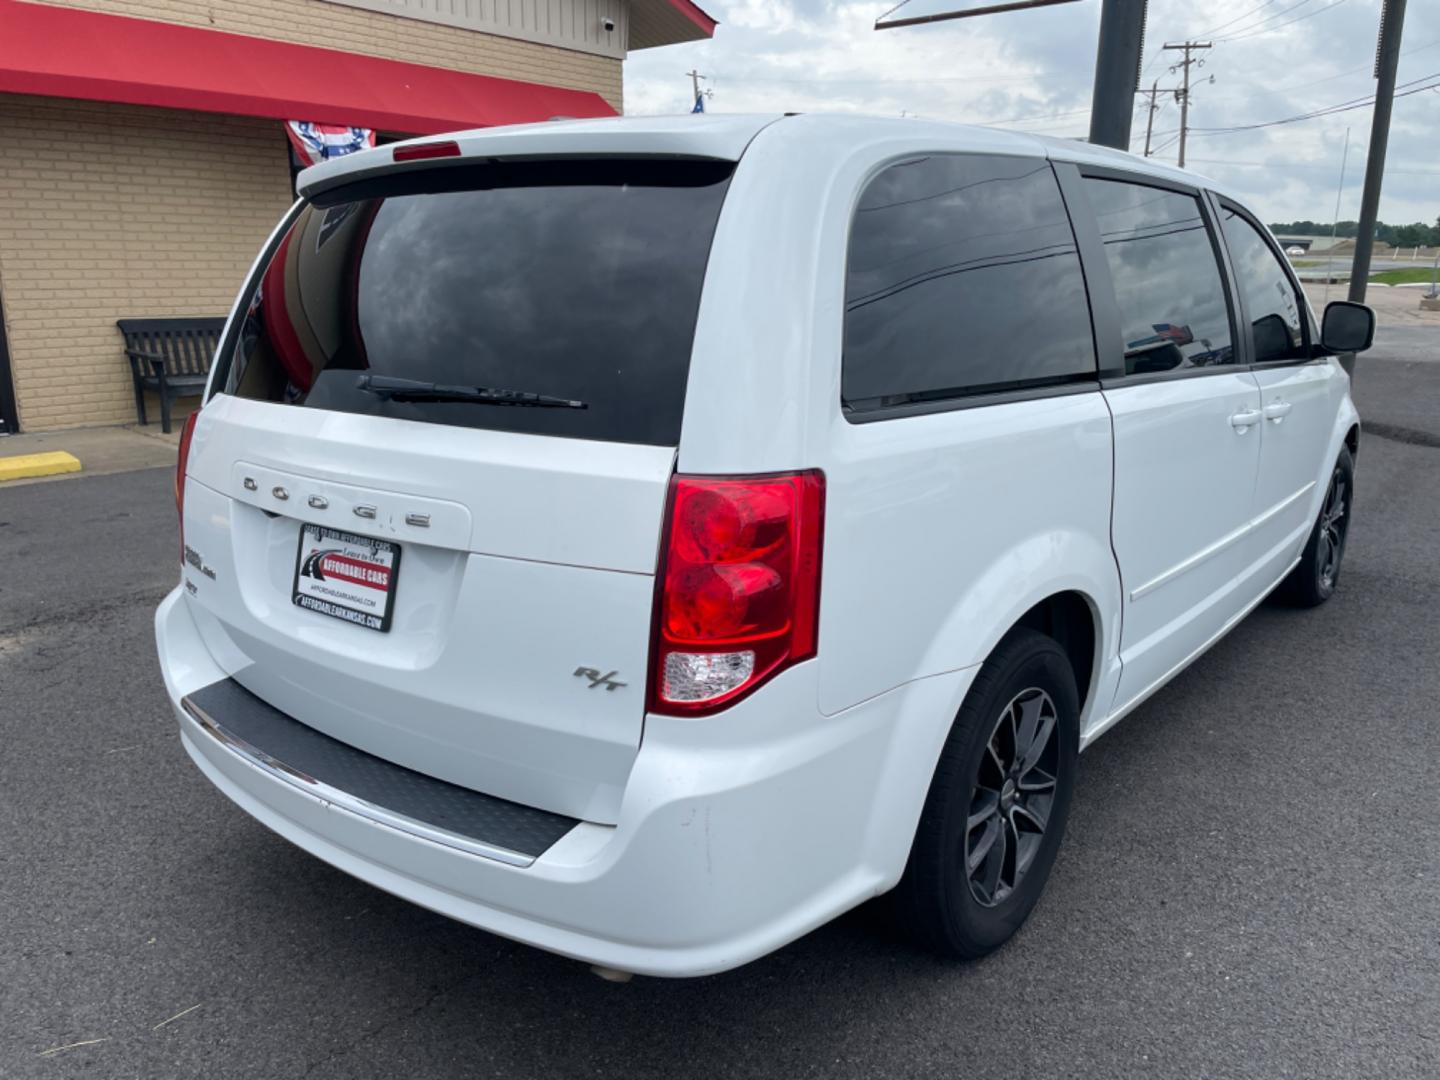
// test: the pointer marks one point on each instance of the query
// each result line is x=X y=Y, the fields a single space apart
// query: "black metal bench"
x=171 y=356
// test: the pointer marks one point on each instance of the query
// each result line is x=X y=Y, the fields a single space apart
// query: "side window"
x=1173 y=313
x=1277 y=325
x=963 y=278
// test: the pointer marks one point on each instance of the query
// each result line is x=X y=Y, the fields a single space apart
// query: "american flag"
x=315 y=143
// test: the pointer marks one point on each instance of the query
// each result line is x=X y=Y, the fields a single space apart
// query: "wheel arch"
x=1070 y=610
x=1071 y=619
x=1064 y=584
x=1346 y=433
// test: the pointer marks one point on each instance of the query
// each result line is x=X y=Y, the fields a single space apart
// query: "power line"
x=1299 y=18
x=897 y=82
x=1032 y=117
x=1165 y=145
x=1345 y=106
x=1325 y=110
x=1268 y=18
x=1237 y=18
x=1339 y=75
x=1302 y=165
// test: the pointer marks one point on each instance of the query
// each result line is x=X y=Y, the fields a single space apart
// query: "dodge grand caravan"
x=649 y=538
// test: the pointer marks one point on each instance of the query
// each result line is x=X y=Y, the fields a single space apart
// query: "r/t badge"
x=596 y=679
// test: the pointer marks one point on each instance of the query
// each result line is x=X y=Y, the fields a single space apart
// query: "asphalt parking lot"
x=1250 y=885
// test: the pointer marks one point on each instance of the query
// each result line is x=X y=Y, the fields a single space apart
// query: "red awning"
x=61 y=52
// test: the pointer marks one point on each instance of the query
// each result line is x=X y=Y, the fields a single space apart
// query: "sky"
x=1033 y=71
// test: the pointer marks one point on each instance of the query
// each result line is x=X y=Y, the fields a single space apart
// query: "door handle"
x=1277 y=410
x=1244 y=420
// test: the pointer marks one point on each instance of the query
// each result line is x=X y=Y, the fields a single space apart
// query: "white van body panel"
x=948 y=584
x=761 y=398
x=700 y=872
x=701 y=844
x=720 y=136
x=1184 y=503
x=1300 y=404
x=495 y=609
x=764 y=390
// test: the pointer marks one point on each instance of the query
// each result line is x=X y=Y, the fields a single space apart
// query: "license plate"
x=346 y=576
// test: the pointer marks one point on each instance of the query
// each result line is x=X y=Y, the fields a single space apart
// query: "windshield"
x=573 y=279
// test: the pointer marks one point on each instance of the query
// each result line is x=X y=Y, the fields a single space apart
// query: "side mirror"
x=1347 y=327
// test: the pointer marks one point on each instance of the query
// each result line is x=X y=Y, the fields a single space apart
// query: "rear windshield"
x=577 y=280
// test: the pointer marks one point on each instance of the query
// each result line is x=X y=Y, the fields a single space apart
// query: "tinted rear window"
x=963 y=278
x=574 y=279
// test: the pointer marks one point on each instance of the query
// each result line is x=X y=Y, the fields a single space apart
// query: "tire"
x=1026 y=683
x=1315 y=576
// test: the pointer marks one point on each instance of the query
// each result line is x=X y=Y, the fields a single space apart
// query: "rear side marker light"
x=421 y=151
x=182 y=460
x=738 y=590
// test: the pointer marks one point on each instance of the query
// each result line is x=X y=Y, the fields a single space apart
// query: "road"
x=1250 y=886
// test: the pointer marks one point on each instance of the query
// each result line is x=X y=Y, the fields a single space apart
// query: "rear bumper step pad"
x=369 y=786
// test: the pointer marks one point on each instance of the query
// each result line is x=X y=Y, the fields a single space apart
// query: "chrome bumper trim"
x=343 y=800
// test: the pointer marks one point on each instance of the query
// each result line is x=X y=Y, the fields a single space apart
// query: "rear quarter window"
x=574 y=279
x=963 y=278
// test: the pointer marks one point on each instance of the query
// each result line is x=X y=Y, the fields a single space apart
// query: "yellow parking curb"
x=26 y=466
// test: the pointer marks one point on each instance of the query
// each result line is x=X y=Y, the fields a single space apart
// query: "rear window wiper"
x=393 y=389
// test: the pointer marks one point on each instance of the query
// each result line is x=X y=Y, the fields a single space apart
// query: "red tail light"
x=738 y=588
x=181 y=460
x=421 y=151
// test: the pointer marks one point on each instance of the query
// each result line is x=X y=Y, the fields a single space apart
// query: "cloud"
x=1032 y=71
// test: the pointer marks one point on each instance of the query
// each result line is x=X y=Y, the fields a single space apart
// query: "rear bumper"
x=736 y=835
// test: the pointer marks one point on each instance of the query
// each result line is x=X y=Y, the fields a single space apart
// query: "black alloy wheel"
x=1334 y=522
x=1014 y=794
x=995 y=812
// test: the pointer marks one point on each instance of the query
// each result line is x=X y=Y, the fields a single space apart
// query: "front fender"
x=1346 y=417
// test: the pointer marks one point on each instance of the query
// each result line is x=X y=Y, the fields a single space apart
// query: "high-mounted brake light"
x=421 y=151
x=182 y=459
x=738 y=590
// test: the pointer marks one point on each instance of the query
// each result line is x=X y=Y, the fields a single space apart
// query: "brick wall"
x=333 y=26
x=110 y=211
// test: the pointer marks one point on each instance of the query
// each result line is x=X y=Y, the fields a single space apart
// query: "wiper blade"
x=394 y=389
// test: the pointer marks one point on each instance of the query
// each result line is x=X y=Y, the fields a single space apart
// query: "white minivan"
x=649 y=538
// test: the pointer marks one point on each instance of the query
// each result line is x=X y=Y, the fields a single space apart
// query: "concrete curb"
x=29 y=466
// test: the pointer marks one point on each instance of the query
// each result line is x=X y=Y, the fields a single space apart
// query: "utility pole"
x=1150 y=112
x=1117 y=72
x=1153 y=108
x=1184 y=65
x=1387 y=59
x=695 y=92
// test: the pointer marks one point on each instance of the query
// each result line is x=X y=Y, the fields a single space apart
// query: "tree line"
x=1416 y=235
